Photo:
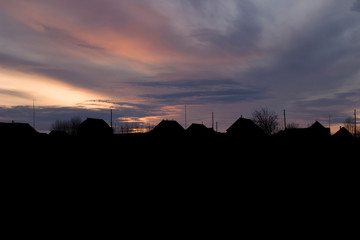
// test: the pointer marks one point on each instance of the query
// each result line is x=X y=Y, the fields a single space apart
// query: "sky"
x=146 y=59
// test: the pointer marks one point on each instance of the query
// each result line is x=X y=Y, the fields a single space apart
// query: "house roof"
x=94 y=126
x=317 y=125
x=246 y=127
x=315 y=130
x=168 y=127
x=199 y=130
x=17 y=129
x=343 y=133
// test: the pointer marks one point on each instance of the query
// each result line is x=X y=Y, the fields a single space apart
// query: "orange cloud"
x=19 y=88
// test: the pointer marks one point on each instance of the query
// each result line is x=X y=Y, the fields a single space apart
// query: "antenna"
x=355 y=122
x=212 y=120
x=284 y=120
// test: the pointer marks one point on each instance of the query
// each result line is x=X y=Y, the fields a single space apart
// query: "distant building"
x=17 y=130
x=94 y=127
x=245 y=128
x=317 y=130
x=199 y=130
x=343 y=133
x=168 y=128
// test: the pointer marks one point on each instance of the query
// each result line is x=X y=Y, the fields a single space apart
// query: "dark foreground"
x=143 y=148
x=159 y=186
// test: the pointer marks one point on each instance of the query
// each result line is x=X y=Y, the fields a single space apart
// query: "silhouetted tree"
x=349 y=124
x=127 y=127
x=292 y=125
x=68 y=126
x=266 y=120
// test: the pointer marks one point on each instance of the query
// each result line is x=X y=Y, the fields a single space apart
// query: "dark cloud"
x=188 y=83
x=356 y=5
x=207 y=96
x=15 y=93
x=240 y=36
x=337 y=101
x=200 y=91
x=338 y=105
x=319 y=59
x=15 y=62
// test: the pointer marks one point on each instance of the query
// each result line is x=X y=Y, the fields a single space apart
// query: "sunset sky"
x=146 y=59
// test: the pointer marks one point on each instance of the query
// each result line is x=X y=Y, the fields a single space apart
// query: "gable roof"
x=317 y=125
x=168 y=127
x=343 y=133
x=316 y=130
x=94 y=126
x=245 y=127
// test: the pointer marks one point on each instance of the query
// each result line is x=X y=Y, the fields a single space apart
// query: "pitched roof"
x=168 y=127
x=343 y=133
x=314 y=131
x=94 y=126
x=245 y=127
x=317 y=125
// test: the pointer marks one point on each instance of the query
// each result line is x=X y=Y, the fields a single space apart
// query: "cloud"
x=336 y=101
x=238 y=35
x=318 y=58
x=15 y=93
x=11 y=61
x=338 y=105
x=198 y=91
x=206 y=96
x=188 y=83
x=356 y=5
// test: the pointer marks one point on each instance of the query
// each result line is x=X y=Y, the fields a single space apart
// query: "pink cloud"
x=132 y=30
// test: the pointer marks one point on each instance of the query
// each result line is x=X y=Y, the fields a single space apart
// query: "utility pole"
x=355 y=122
x=212 y=120
x=111 y=125
x=33 y=113
x=284 y=120
x=185 y=118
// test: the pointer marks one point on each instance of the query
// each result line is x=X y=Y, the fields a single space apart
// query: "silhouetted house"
x=168 y=128
x=245 y=128
x=94 y=127
x=17 y=130
x=198 y=130
x=317 y=130
x=343 y=133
